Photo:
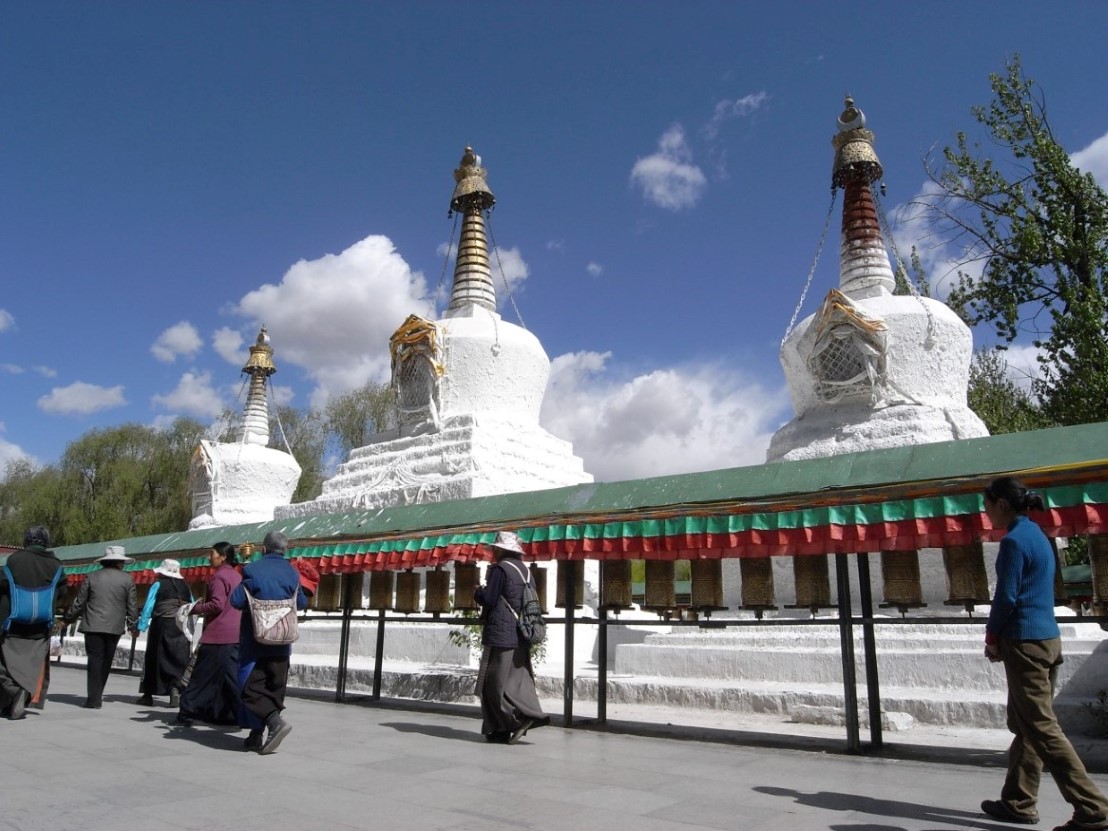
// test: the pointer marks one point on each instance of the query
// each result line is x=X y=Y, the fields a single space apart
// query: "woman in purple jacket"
x=213 y=691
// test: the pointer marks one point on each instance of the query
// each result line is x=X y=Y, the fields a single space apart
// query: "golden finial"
x=471 y=191
x=855 y=158
x=260 y=361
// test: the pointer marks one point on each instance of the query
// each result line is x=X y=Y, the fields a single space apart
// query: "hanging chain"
x=445 y=263
x=887 y=233
x=812 y=270
x=500 y=265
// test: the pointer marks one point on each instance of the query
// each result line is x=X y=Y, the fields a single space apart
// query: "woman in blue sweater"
x=1023 y=635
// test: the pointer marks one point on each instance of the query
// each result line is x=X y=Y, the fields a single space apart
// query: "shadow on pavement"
x=437 y=730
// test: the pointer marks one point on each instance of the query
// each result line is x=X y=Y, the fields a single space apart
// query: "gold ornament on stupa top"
x=471 y=191
x=260 y=361
x=855 y=158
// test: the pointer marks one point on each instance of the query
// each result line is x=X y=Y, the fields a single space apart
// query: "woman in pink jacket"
x=213 y=692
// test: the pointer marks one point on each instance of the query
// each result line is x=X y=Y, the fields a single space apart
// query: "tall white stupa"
x=469 y=388
x=243 y=481
x=871 y=369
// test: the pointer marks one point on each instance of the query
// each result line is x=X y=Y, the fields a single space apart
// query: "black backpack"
x=532 y=628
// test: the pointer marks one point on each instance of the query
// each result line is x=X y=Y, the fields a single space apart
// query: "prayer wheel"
x=465 y=583
x=407 y=592
x=660 y=592
x=812 y=582
x=1098 y=560
x=328 y=594
x=757 y=583
x=707 y=585
x=538 y=574
x=356 y=582
x=246 y=551
x=578 y=567
x=900 y=574
x=615 y=584
x=380 y=590
x=966 y=580
x=438 y=592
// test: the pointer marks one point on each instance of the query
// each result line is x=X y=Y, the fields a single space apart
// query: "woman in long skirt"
x=167 y=648
x=212 y=694
x=506 y=681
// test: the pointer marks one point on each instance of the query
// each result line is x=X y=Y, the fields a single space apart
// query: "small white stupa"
x=872 y=369
x=469 y=389
x=243 y=481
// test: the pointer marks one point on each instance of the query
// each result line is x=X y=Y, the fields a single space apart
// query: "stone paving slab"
x=377 y=767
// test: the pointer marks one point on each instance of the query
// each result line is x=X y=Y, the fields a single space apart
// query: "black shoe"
x=998 y=809
x=520 y=731
x=499 y=737
x=174 y=698
x=19 y=706
x=277 y=732
x=145 y=701
x=92 y=705
x=253 y=741
x=182 y=721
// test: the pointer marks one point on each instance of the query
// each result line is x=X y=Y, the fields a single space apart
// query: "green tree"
x=1037 y=228
x=997 y=400
x=303 y=430
x=351 y=418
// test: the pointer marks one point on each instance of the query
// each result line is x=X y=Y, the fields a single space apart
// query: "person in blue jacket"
x=271 y=577
x=1022 y=633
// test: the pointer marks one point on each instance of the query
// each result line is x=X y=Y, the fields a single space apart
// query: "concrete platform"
x=362 y=766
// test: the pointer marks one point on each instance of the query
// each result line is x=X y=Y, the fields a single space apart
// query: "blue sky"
x=174 y=174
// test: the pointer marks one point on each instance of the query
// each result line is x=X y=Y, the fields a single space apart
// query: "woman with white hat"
x=107 y=604
x=167 y=648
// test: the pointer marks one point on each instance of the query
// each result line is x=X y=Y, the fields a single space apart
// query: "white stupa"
x=872 y=369
x=243 y=481
x=469 y=388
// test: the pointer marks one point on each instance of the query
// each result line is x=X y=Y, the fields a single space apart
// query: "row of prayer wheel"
x=399 y=591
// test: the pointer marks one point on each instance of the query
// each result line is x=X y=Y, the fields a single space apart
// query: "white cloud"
x=194 y=395
x=6 y=320
x=281 y=395
x=674 y=420
x=1023 y=364
x=668 y=178
x=80 y=398
x=333 y=316
x=10 y=452
x=940 y=259
x=594 y=269
x=556 y=245
x=1094 y=159
x=739 y=108
x=11 y=369
x=228 y=344
x=179 y=339
x=45 y=371
x=514 y=272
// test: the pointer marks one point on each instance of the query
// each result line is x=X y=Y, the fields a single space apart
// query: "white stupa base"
x=245 y=483
x=467 y=457
x=849 y=428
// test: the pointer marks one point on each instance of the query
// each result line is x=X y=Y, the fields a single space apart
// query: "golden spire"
x=472 y=277
x=259 y=366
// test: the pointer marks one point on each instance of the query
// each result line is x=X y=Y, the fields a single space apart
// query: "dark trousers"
x=1031 y=668
x=100 y=649
x=264 y=691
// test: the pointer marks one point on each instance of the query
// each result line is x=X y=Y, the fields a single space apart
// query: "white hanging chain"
x=887 y=234
x=499 y=265
x=280 y=426
x=812 y=270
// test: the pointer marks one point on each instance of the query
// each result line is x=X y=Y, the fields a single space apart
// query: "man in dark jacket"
x=107 y=604
x=25 y=647
x=263 y=695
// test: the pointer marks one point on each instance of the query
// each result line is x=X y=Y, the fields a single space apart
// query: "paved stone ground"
x=126 y=768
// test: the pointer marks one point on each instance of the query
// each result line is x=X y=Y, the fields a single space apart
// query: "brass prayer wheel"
x=660 y=592
x=1098 y=560
x=356 y=581
x=757 y=583
x=966 y=580
x=615 y=584
x=812 y=581
x=407 y=592
x=328 y=594
x=707 y=585
x=380 y=590
x=900 y=575
x=438 y=592
x=465 y=583
x=578 y=567
x=538 y=574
